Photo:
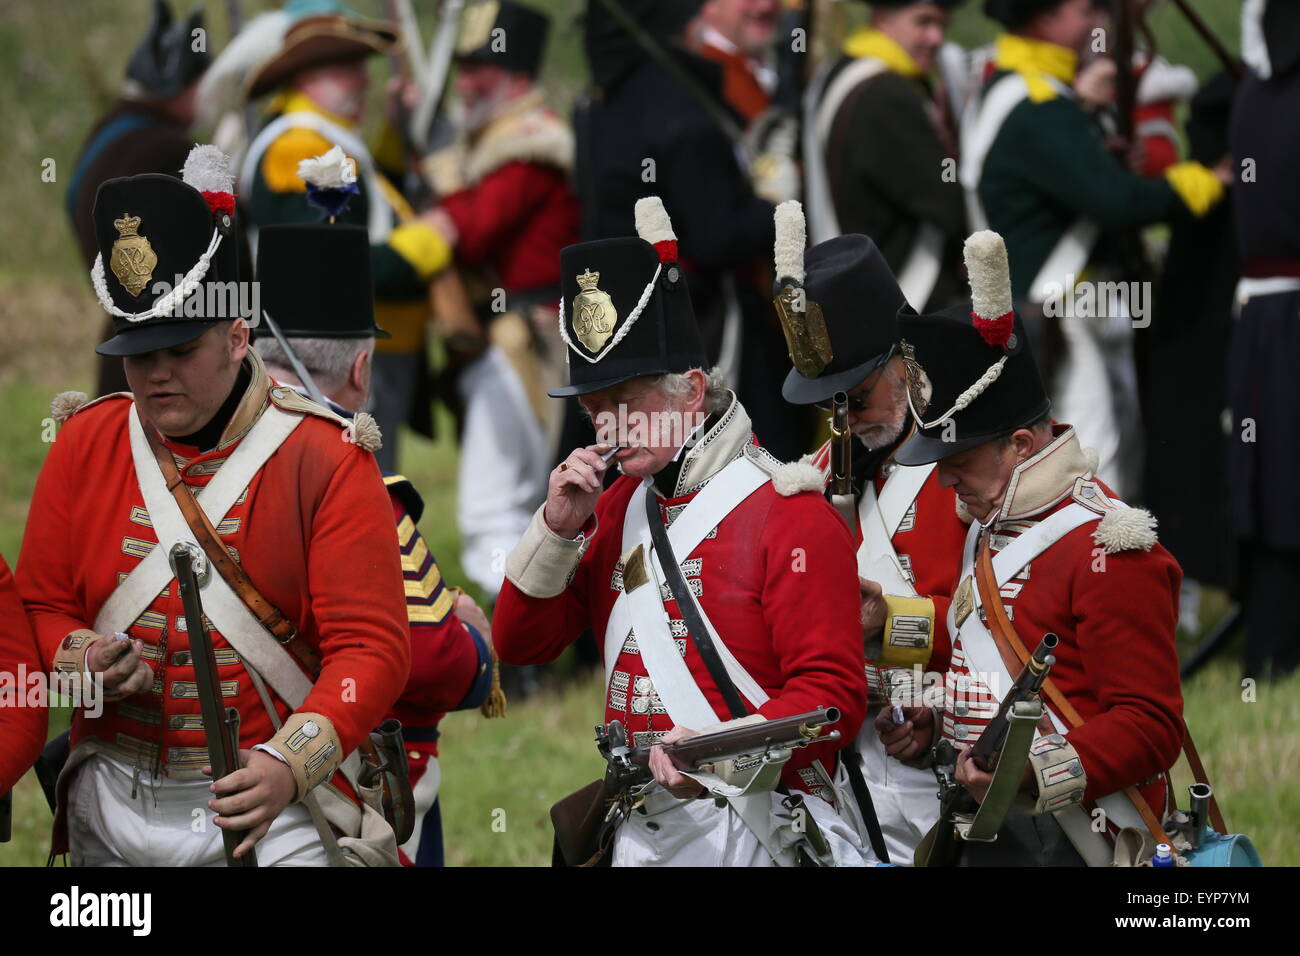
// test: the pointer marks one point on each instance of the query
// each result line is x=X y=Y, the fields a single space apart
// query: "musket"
x=628 y=767
x=958 y=810
x=841 y=479
x=300 y=370
x=423 y=131
x=220 y=725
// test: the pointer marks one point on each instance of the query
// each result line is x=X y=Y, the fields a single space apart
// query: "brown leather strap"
x=267 y=614
x=1005 y=634
x=1200 y=776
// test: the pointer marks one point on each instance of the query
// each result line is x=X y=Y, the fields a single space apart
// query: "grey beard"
x=880 y=436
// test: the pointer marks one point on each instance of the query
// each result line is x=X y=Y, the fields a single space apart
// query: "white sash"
x=983 y=657
x=380 y=212
x=879 y=519
x=223 y=607
x=821 y=103
x=981 y=122
x=665 y=665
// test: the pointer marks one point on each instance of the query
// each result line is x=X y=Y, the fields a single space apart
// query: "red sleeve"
x=357 y=601
x=22 y=729
x=941 y=647
x=47 y=563
x=490 y=212
x=1127 y=615
x=810 y=603
x=444 y=659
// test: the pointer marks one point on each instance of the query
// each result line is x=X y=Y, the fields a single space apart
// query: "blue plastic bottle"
x=1164 y=856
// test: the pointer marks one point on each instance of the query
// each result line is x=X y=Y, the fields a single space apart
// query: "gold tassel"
x=495 y=705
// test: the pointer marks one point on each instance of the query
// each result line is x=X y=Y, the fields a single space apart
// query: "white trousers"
x=676 y=832
x=504 y=468
x=906 y=798
x=169 y=825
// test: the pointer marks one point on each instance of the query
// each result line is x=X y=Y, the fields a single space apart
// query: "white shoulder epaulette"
x=789 y=477
x=362 y=427
x=1122 y=528
x=66 y=404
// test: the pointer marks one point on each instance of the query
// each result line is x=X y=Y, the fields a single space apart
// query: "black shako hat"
x=971 y=374
x=505 y=34
x=314 y=281
x=838 y=303
x=625 y=310
x=165 y=61
x=168 y=263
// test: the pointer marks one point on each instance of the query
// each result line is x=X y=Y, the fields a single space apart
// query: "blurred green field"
x=61 y=62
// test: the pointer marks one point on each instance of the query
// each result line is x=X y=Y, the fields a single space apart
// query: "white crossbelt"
x=984 y=658
x=879 y=519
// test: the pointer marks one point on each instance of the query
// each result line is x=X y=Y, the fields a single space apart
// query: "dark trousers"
x=1271 y=584
x=1024 y=841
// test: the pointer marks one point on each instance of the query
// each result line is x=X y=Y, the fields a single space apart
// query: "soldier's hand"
x=575 y=486
x=970 y=776
x=665 y=771
x=469 y=612
x=873 y=607
x=253 y=796
x=910 y=738
x=116 y=664
x=1094 y=84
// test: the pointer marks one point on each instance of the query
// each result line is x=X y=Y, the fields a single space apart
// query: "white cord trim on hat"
x=168 y=303
x=627 y=323
x=965 y=398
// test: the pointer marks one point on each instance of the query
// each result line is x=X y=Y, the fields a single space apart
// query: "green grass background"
x=61 y=61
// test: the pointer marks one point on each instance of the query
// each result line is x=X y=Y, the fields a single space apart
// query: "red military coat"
x=313 y=531
x=776 y=580
x=928 y=544
x=22 y=726
x=1115 y=614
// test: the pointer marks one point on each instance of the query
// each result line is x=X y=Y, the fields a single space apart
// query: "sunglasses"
x=858 y=404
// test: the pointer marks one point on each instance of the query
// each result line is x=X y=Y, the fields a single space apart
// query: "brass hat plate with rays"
x=132 y=259
x=806 y=337
x=594 y=315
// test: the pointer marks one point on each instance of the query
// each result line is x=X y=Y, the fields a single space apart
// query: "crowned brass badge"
x=132 y=259
x=594 y=315
x=806 y=337
x=476 y=26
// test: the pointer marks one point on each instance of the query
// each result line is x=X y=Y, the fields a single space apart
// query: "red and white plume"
x=990 y=286
x=207 y=169
x=654 y=226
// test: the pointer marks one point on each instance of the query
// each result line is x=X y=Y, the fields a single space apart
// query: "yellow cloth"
x=1036 y=61
x=907 y=647
x=877 y=45
x=1196 y=185
x=281 y=159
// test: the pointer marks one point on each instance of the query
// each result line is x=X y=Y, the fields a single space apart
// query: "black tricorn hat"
x=625 y=310
x=971 y=373
x=314 y=280
x=842 y=299
x=165 y=62
x=152 y=229
x=505 y=34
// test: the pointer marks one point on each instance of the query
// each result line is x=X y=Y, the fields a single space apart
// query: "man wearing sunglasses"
x=906 y=528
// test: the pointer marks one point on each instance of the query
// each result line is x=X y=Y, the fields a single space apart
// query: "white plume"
x=652 y=222
x=330 y=170
x=791 y=237
x=990 y=275
x=249 y=50
x=207 y=169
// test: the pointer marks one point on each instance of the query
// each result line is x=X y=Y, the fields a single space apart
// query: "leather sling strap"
x=1004 y=635
x=267 y=614
x=695 y=626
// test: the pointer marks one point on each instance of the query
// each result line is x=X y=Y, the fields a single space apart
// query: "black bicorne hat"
x=165 y=62
x=838 y=303
x=971 y=373
x=168 y=263
x=625 y=310
x=314 y=280
x=505 y=34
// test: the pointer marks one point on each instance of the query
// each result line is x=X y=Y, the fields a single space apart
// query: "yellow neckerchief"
x=867 y=42
x=293 y=101
x=1036 y=60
